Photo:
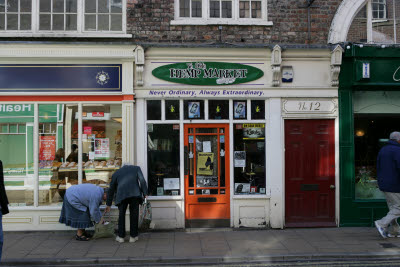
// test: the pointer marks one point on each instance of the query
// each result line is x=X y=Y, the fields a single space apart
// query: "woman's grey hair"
x=395 y=136
x=127 y=164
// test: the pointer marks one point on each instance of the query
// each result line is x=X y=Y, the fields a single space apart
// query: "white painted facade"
x=313 y=79
x=39 y=217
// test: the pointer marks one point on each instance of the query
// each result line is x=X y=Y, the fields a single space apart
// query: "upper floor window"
x=67 y=17
x=378 y=9
x=225 y=12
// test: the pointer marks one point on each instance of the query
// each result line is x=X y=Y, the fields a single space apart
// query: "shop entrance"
x=309 y=173
x=207 y=175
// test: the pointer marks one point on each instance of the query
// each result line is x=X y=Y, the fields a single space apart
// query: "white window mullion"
x=205 y=9
x=51 y=15
x=65 y=16
x=35 y=16
x=19 y=15
x=109 y=15
x=80 y=16
x=97 y=15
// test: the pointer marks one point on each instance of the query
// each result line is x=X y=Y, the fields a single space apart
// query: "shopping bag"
x=145 y=215
x=105 y=228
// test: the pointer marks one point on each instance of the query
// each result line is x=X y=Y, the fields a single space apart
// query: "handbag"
x=145 y=216
x=105 y=228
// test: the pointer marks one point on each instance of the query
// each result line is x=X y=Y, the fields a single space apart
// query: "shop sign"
x=206 y=93
x=309 y=106
x=7 y=110
x=56 y=77
x=208 y=73
x=97 y=114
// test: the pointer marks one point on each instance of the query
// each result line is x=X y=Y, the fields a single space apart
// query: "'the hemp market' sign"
x=208 y=73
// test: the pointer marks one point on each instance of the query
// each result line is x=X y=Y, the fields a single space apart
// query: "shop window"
x=218 y=109
x=376 y=115
x=58 y=151
x=163 y=159
x=239 y=110
x=194 y=109
x=172 y=109
x=249 y=158
x=257 y=109
x=153 y=109
x=101 y=142
x=72 y=17
x=16 y=152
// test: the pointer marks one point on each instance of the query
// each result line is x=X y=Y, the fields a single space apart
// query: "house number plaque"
x=309 y=106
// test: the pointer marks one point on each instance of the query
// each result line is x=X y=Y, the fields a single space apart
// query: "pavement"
x=194 y=246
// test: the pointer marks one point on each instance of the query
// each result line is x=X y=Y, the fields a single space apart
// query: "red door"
x=207 y=175
x=309 y=173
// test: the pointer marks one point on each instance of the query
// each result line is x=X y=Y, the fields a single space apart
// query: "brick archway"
x=344 y=16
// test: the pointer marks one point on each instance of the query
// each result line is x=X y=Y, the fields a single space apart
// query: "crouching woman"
x=81 y=207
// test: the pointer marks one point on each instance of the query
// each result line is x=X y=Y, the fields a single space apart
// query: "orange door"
x=310 y=173
x=207 y=175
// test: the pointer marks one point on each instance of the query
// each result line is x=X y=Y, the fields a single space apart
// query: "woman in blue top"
x=81 y=207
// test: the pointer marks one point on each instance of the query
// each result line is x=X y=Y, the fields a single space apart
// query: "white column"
x=275 y=157
x=127 y=131
x=140 y=135
x=369 y=22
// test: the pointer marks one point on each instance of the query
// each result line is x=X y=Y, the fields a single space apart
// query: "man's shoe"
x=133 y=239
x=119 y=239
x=381 y=230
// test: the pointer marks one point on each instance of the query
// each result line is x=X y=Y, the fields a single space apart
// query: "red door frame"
x=310 y=197
x=220 y=209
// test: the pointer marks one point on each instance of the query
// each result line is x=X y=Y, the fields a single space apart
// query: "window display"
x=257 y=109
x=172 y=109
x=239 y=110
x=59 y=147
x=16 y=152
x=163 y=159
x=376 y=115
x=218 y=109
x=249 y=158
x=153 y=109
x=194 y=110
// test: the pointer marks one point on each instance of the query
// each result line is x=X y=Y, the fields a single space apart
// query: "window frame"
x=235 y=20
x=379 y=3
x=80 y=29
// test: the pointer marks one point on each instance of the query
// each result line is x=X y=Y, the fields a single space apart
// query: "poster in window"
x=205 y=163
x=171 y=183
x=102 y=148
x=242 y=188
x=239 y=158
x=194 y=110
x=239 y=110
x=206 y=181
x=47 y=148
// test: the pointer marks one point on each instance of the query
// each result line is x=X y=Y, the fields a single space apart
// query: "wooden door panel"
x=296 y=157
x=309 y=173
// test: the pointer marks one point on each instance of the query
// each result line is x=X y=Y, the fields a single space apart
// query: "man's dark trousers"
x=133 y=203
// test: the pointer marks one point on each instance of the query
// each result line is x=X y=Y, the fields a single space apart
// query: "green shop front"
x=369 y=110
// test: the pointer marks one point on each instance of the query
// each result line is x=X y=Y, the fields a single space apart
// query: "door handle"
x=332 y=186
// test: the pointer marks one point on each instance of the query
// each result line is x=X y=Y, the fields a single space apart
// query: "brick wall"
x=149 y=22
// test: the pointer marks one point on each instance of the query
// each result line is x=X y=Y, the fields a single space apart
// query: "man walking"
x=388 y=170
x=130 y=187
